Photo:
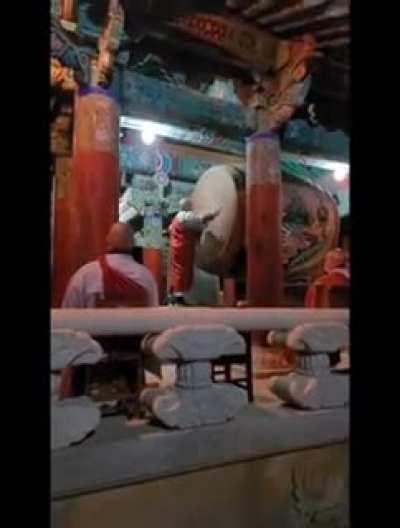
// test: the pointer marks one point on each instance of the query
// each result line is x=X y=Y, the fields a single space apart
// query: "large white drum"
x=310 y=223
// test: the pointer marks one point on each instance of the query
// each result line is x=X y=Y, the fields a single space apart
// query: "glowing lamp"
x=340 y=173
x=148 y=136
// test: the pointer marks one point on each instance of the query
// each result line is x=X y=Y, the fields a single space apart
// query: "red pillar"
x=263 y=229
x=92 y=201
x=62 y=196
x=68 y=14
x=229 y=285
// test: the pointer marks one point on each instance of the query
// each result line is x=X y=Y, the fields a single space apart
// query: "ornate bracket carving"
x=275 y=98
x=108 y=44
x=61 y=77
x=67 y=53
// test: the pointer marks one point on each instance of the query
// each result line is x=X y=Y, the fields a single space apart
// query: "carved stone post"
x=194 y=400
x=313 y=384
x=71 y=418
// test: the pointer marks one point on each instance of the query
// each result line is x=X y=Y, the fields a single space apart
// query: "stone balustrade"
x=140 y=321
x=314 y=384
x=192 y=337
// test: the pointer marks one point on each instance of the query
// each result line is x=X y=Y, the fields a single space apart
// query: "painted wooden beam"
x=193 y=118
x=316 y=141
x=293 y=12
x=239 y=39
x=201 y=137
x=315 y=161
x=335 y=43
x=255 y=9
x=144 y=161
x=207 y=122
x=332 y=12
x=181 y=161
x=155 y=100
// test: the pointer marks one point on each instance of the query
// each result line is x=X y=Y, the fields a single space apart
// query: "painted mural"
x=199 y=137
x=161 y=174
x=147 y=161
x=146 y=193
x=300 y=136
x=185 y=163
x=153 y=200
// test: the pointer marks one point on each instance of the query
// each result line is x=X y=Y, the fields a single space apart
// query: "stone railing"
x=287 y=464
x=140 y=321
x=192 y=337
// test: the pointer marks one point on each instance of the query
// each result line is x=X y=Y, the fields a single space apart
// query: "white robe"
x=86 y=286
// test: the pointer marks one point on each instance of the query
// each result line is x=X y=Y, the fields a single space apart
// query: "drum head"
x=216 y=190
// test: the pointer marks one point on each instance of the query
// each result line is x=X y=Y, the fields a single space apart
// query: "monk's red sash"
x=119 y=289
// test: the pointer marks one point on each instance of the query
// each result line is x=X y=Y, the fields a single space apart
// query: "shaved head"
x=185 y=204
x=120 y=238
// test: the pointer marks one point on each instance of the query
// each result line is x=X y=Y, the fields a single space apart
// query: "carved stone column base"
x=310 y=392
x=314 y=385
x=183 y=409
x=72 y=419
x=194 y=401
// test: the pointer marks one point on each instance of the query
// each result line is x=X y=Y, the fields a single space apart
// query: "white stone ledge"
x=118 y=455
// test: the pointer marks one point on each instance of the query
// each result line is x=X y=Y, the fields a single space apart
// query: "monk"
x=114 y=279
x=336 y=274
x=184 y=231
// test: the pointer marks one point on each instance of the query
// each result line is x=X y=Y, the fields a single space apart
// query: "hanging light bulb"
x=341 y=173
x=148 y=135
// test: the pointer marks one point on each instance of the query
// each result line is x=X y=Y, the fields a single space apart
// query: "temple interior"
x=200 y=263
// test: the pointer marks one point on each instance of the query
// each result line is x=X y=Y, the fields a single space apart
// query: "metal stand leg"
x=249 y=368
